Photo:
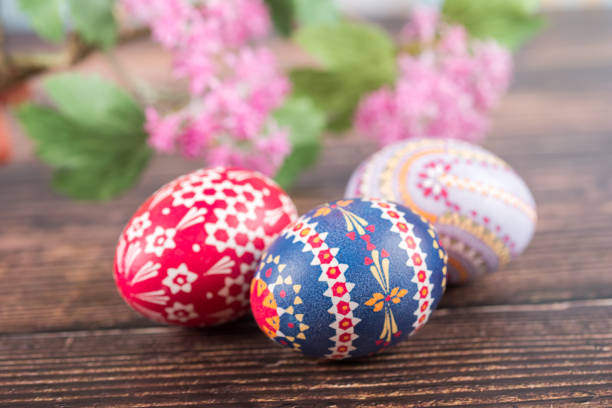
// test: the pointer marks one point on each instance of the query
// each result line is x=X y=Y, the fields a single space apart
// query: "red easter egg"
x=189 y=253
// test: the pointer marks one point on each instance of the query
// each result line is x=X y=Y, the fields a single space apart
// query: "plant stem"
x=24 y=66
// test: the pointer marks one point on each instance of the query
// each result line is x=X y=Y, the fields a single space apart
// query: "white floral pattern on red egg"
x=188 y=254
x=138 y=226
x=179 y=279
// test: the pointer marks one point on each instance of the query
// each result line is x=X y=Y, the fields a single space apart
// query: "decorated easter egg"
x=349 y=278
x=189 y=253
x=482 y=210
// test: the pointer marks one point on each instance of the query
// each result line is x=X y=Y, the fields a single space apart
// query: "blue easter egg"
x=349 y=278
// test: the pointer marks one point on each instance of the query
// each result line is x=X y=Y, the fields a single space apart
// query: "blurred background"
x=16 y=20
x=19 y=38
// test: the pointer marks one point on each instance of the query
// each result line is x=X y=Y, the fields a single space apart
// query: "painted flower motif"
x=160 y=240
x=378 y=300
x=326 y=209
x=431 y=180
x=138 y=226
x=180 y=279
x=344 y=203
x=322 y=211
x=180 y=312
x=236 y=290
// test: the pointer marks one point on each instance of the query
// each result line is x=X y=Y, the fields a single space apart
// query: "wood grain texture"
x=537 y=334
x=558 y=354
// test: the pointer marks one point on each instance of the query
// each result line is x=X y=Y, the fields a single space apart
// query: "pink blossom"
x=240 y=20
x=274 y=148
x=199 y=68
x=222 y=156
x=266 y=155
x=163 y=131
x=378 y=116
x=422 y=26
x=141 y=10
x=171 y=22
x=424 y=104
x=495 y=66
x=447 y=91
x=454 y=41
x=197 y=135
x=259 y=68
x=234 y=84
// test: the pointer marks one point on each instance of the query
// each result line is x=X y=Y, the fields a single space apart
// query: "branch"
x=5 y=59
x=24 y=66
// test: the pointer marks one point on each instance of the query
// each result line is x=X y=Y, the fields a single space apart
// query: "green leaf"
x=95 y=103
x=286 y=13
x=44 y=16
x=281 y=12
x=357 y=59
x=61 y=141
x=305 y=124
x=335 y=93
x=94 y=137
x=105 y=177
x=510 y=22
x=330 y=92
x=349 y=46
x=94 y=21
x=309 y=12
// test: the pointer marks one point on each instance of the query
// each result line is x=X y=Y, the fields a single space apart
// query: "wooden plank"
x=530 y=355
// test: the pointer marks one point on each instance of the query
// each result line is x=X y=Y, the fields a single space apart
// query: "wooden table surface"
x=537 y=334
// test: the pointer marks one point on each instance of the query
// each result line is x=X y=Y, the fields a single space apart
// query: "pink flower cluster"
x=446 y=87
x=234 y=84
